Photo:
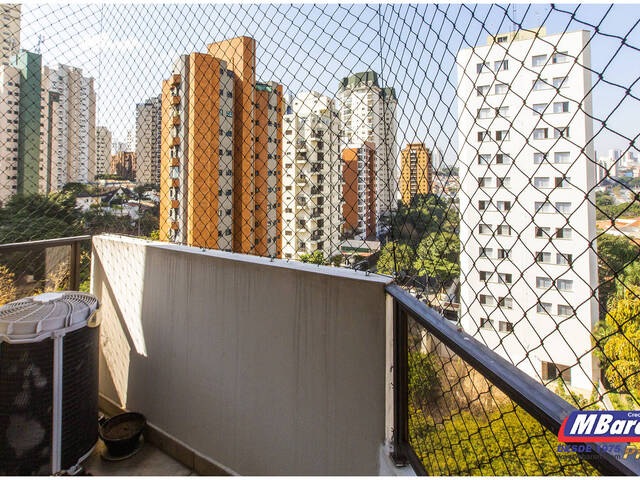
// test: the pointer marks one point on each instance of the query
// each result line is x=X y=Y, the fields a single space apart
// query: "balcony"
x=263 y=384
x=175 y=120
x=175 y=79
x=175 y=100
x=301 y=180
x=175 y=141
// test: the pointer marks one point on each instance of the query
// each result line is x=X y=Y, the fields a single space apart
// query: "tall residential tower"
x=528 y=266
x=148 y=138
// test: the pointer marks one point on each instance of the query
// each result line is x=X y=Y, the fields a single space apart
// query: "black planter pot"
x=121 y=433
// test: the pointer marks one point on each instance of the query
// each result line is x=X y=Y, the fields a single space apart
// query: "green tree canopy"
x=316 y=257
x=396 y=257
x=438 y=256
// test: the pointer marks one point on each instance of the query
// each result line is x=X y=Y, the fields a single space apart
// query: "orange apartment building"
x=221 y=152
x=359 y=191
x=416 y=174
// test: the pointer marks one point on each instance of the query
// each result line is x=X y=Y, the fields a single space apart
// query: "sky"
x=129 y=48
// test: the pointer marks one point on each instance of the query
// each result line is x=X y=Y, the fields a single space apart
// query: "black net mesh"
x=484 y=156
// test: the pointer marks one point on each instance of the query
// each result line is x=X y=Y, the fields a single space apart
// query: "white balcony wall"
x=265 y=367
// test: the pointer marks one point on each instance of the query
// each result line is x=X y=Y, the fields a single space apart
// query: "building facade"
x=416 y=174
x=103 y=150
x=76 y=123
x=123 y=164
x=221 y=152
x=9 y=32
x=527 y=278
x=367 y=112
x=359 y=191
x=148 y=135
x=312 y=195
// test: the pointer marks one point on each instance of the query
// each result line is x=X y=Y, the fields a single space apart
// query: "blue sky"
x=128 y=49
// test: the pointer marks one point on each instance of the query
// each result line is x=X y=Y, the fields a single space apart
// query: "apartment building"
x=311 y=166
x=359 y=191
x=529 y=265
x=148 y=135
x=124 y=165
x=367 y=112
x=221 y=152
x=9 y=123
x=9 y=32
x=76 y=123
x=416 y=174
x=103 y=150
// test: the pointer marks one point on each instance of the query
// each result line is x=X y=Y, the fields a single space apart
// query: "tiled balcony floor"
x=148 y=461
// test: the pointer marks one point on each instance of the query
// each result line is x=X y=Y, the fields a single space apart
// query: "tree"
x=614 y=254
x=425 y=214
x=316 y=257
x=438 y=256
x=619 y=340
x=395 y=258
x=7 y=287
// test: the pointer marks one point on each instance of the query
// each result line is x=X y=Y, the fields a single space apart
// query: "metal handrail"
x=74 y=255
x=537 y=400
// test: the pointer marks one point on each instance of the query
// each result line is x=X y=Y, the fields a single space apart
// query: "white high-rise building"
x=103 y=150
x=367 y=112
x=9 y=32
x=312 y=190
x=528 y=266
x=131 y=140
x=76 y=124
x=9 y=115
x=148 y=126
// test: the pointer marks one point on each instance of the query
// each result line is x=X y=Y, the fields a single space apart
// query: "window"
x=501 y=88
x=504 y=229
x=503 y=181
x=483 y=204
x=505 y=302
x=485 y=276
x=502 y=112
x=538 y=60
x=174 y=172
x=502 y=135
x=505 y=278
x=484 y=159
x=560 y=107
x=559 y=82
x=485 y=252
x=483 y=136
x=538 y=108
x=541 y=182
x=501 y=65
x=502 y=38
x=561 y=157
x=484 y=229
x=540 y=133
x=484 y=181
x=564 y=310
x=503 y=253
x=563 y=207
x=503 y=159
x=562 y=132
x=543 y=257
x=484 y=113
x=543 y=207
x=503 y=206
x=551 y=371
x=482 y=90
x=486 y=300
x=482 y=67
x=543 y=307
x=563 y=233
x=565 y=285
x=505 y=327
x=538 y=158
x=560 y=57
x=486 y=323
x=562 y=182
x=564 y=259
x=539 y=84
x=543 y=282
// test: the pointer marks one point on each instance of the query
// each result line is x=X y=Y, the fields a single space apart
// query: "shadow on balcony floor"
x=148 y=461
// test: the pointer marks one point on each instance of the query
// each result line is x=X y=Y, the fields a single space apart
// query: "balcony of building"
x=257 y=366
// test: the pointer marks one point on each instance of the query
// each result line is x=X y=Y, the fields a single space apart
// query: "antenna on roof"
x=513 y=17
